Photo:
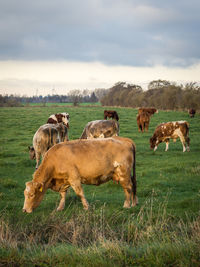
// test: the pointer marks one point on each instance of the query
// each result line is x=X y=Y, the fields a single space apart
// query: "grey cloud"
x=136 y=33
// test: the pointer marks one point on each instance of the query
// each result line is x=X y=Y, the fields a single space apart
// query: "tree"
x=100 y=93
x=93 y=98
x=157 y=84
x=75 y=96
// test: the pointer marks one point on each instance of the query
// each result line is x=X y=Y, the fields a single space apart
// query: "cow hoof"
x=127 y=206
x=59 y=209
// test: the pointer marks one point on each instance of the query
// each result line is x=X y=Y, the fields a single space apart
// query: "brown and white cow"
x=90 y=162
x=45 y=137
x=58 y=118
x=143 y=120
x=100 y=129
x=171 y=130
x=192 y=112
x=151 y=111
x=111 y=114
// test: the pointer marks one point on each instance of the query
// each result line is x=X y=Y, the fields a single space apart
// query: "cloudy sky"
x=53 y=46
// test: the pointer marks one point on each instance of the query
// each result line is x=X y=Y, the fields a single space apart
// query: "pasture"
x=163 y=230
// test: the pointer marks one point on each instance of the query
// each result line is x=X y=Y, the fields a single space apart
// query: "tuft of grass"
x=149 y=238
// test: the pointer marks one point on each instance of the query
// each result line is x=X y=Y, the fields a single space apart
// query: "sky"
x=51 y=46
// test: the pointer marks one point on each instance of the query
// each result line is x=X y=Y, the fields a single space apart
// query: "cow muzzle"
x=66 y=124
x=27 y=211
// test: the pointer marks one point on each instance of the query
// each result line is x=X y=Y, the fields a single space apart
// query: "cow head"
x=65 y=119
x=31 y=152
x=153 y=142
x=33 y=194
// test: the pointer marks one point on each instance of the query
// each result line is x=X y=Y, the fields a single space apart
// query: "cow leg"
x=62 y=201
x=76 y=185
x=37 y=156
x=184 y=149
x=142 y=127
x=134 y=201
x=188 y=143
x=146 y=126
x=183 y=142
x=66 y=139
x=128 y=192
x=167 y=145
x=127 y=186
x=155 y=148
x=134 y=189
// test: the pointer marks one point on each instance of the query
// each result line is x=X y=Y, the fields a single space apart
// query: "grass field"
x=163 y=230
x=49 y=104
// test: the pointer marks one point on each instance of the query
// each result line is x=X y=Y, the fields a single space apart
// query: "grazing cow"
x=151 y=111
x=58 y=118
x=172 y=130
x=100 y=129
x=45 y=137
x=111 y=114
x=90 y=162
x=192 y=112
x=143 y=120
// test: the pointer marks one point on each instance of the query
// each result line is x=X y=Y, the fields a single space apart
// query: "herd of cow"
x=98 y=156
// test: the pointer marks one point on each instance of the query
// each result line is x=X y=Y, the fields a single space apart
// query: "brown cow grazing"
x=151 y=111
x=100 y=129
x=192 y=112
x=111 y=114
x=90 y=162
x=58 y=118
x=143 y=120
x=45 y=137
x=172 y=130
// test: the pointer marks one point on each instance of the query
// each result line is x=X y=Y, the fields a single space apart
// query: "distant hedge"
x=160 y=94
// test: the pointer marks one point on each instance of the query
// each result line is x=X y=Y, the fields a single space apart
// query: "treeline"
x=160 y=94
x=74 y=96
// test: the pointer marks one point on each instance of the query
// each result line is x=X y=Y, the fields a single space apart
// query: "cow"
x=111 y=114
x=45 y=137
x=143 y=120
x=91 y=162
x=100 y=129
x=151 y=111
x=171 y=130
x=58 y=118
x=192 y=112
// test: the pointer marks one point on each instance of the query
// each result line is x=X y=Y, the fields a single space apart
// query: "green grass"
x=163 y=230
x=49 y=104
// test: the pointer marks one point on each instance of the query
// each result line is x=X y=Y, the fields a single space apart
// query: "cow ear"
x=40 y=187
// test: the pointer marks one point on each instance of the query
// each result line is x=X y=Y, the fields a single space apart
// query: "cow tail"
x=133 y=177
x=187 y=133
x=50 y=137
x=187 y=128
